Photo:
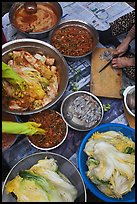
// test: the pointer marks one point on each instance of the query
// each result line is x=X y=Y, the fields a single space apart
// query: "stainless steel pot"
x=33 y=46
x=55 y=6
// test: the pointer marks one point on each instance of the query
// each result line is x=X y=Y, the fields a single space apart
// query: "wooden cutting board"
x=107 y=83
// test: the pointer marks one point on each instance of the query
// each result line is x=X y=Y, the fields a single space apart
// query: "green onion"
x=26 y=128
x=106 y=107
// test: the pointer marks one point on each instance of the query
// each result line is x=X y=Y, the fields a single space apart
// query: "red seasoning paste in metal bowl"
x=44 y=19
x=55 y=126
x=72 y=40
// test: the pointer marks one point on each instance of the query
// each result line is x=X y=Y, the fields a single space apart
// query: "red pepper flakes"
x=54 y=125
x=73 y=40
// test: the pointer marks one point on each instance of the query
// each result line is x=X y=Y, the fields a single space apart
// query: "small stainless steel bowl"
x=129 y=90
x=34 y=46
x=81 y=24
x=74 y=116
x=55 y=6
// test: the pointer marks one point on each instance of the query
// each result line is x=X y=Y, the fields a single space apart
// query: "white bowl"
x=128 y=90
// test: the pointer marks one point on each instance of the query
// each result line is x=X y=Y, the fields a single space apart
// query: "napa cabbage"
x=110 y=166
x=42 y=182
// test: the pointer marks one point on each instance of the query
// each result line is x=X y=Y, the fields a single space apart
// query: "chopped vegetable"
x=106 y=107
x=26 y=128
x=76 y=75
x=75 y=86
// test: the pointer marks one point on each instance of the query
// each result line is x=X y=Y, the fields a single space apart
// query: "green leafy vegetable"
x=26 y=128
x=77 y=74
x=12 y=77
x=96 y=162
x=129 y=150
x=106 y=107
x=41 y=181
x=75 y=86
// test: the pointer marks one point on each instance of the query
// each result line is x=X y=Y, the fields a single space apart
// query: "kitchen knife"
x=113 y=56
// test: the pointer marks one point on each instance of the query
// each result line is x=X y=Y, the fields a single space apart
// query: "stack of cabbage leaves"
x=111 y=162
x=29 y=81
x=42 y=182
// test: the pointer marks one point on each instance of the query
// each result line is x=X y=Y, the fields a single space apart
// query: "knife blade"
x=108 y=63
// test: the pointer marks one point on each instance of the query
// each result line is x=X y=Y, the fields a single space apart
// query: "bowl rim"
x=81 y=23
x=125 y=93
x=89 y=183
x=53 y=147
x=34 y=33
x=46 y=154
x=82 y=92
x=46 y=44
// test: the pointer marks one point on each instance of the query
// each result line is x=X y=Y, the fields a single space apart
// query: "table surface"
x=22 y=148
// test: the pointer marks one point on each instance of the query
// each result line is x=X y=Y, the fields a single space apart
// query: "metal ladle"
x=30 y=7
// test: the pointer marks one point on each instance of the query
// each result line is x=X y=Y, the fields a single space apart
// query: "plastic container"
x=82 y=158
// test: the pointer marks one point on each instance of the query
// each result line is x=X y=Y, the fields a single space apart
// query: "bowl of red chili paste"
x=74 y=38
x=56 y=130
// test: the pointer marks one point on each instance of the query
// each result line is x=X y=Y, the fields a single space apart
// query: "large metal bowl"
x=65 y=166
x=81 y=24
x=33 y=46
x=55 y=6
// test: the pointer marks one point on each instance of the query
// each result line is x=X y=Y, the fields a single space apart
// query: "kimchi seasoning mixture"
x=54 y=125
x=44 y=19
x=72 y=40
